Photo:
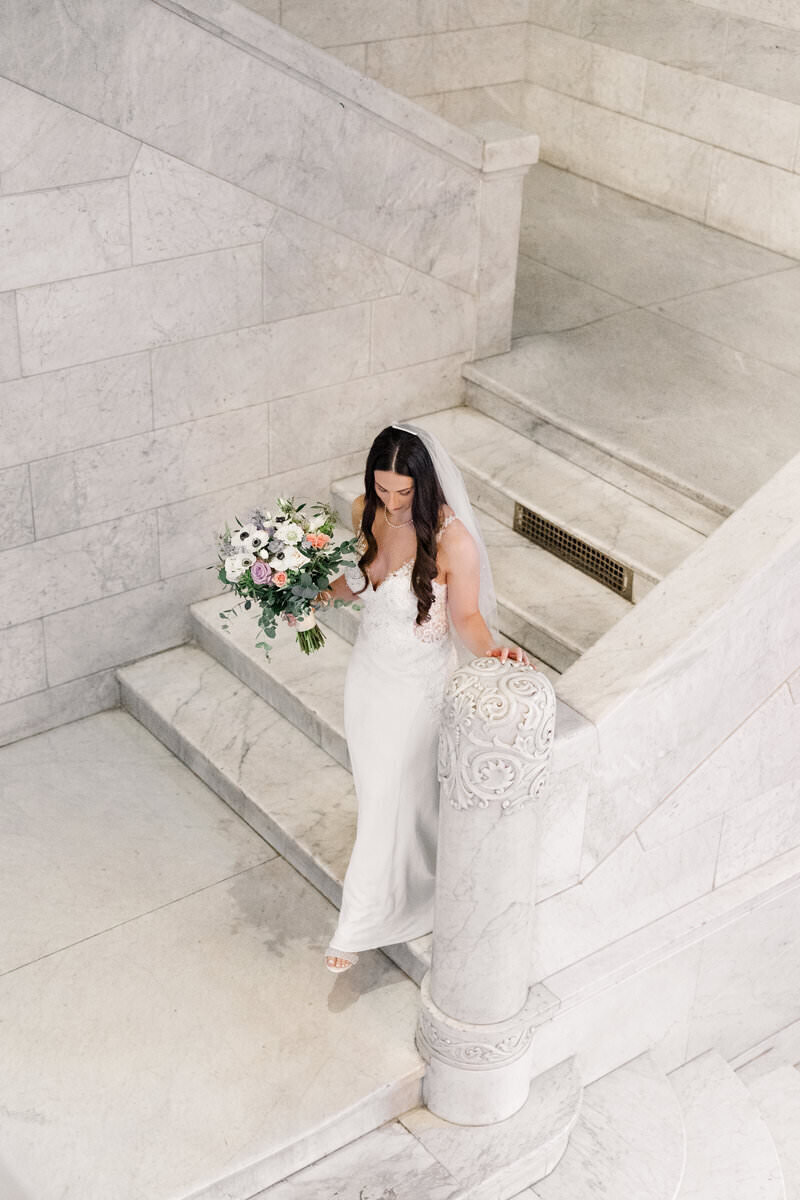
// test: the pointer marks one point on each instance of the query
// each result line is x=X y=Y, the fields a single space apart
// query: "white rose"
x=317 y=522
x=234 y=568
x=290 y=532
x=292 y=557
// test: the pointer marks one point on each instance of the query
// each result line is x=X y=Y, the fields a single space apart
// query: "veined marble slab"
x=96 y=792
x=47 y=145
x=279 y=780
x=775 y=1086
x=204 y=1050
x=59 y=233
x=627 y=247
x=387 y=1162
x=548 y=301
x=759 y=316
x=495 y=1160
x=729 y=1152
x=628 y=1140
x=177 y=209
x=10 y=367
x=663 y=411
x=501 y=405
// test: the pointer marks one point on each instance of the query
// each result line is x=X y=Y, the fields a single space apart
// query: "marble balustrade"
x=694 y=106
x=477 y=1013
x=228 y=259
x=684 y=764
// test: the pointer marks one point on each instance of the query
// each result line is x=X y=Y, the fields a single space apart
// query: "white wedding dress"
x=393 y=699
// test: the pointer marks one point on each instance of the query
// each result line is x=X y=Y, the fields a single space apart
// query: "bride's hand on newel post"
x=505 y=652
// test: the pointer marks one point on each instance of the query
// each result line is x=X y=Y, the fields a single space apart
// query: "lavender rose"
x=260 y=573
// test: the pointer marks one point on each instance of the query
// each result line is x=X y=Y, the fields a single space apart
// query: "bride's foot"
x=339 y=960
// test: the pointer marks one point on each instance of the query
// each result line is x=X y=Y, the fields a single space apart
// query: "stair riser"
x=662 y=495
x=265 y=686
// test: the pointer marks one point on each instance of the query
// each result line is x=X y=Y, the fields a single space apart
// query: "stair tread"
x=655 y=394
x=627 y=1141
x=730 y=1154
x=568 y=605
x=775 y=1086
x=316 y=680
x=299 y=798
x=420 y=1155
x=589 y=507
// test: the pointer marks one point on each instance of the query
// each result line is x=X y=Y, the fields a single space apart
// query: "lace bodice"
x=388 y=627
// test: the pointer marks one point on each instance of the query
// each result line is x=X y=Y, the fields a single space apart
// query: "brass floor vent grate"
x=574 y=551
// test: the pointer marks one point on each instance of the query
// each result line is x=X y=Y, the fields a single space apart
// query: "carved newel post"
x=476 y=1021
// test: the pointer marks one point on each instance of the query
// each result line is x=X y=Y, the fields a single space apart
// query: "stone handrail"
x=476 y=1019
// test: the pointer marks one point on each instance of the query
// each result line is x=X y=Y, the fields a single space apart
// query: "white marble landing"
x=628 y=248
x=543 y=603
x=299 y=799
x=182 y=1038
x=668 y=400
x=775 y=1087
x=652 y=337
x=730 y=1154
x=627 y=1142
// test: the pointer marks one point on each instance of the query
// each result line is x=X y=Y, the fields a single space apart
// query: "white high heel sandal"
x=332 y=952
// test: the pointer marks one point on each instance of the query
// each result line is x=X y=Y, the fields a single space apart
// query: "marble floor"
x=166 y=1019
x=670 y=344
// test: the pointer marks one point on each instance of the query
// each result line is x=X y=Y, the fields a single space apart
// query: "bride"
x=428 y=603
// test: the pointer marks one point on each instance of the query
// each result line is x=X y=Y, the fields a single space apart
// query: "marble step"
x=628 y=1141
x=502 y=467
x=543 y=603
x=421 y=1157
x=281 y=782
x=489 y=392
x=730 y=1154
x=785 y=1042
x=308 y=690
x=775 y=1087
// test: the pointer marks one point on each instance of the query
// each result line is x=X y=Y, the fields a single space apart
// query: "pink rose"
x=279 y=578
x=322 y=540
x=260 y=573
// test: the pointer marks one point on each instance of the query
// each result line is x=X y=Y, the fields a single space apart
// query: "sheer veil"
x=455 y=493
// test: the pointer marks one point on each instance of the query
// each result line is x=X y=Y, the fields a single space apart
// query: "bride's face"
x=395 y=491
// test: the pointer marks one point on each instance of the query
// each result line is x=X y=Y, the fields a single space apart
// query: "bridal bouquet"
x=280 y=561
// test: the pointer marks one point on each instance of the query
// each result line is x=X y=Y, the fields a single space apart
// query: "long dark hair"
x=404 y=453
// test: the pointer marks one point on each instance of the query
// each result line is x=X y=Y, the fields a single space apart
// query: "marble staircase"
x=707 y=1130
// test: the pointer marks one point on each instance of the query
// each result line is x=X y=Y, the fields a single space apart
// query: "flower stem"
x=311 y=639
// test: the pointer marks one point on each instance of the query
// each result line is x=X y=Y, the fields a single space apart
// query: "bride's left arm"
x=462 y=574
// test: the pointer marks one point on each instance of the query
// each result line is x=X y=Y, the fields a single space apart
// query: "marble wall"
x=692 y=106
x=463 y=59
x=221 y=274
